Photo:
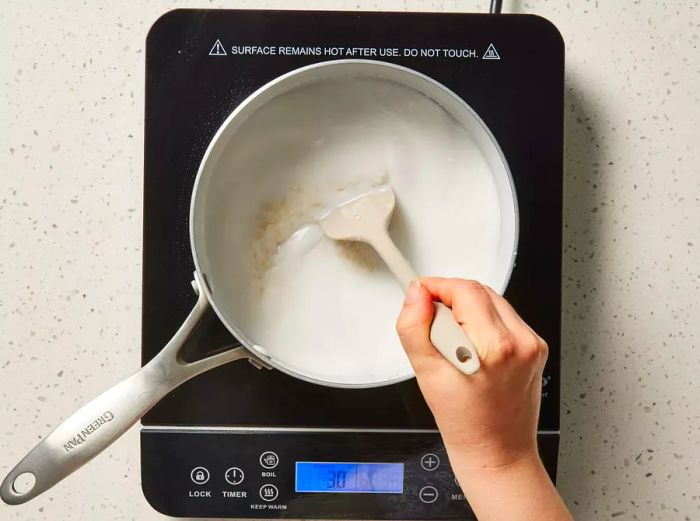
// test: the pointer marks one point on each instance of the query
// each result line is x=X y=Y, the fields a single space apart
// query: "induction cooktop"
x=243 y=441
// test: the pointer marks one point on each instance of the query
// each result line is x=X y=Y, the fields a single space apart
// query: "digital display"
x=372 y=478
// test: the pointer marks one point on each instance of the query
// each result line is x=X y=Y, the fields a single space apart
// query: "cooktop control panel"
x=305 y=474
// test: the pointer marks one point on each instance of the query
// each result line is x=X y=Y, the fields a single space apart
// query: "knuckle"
x=488 y=289
x=404 y=321
x=469 y=294
x=505 y=347
x=470 y=285
x=531 y=345
x=408 y=329
x=404 y=332
x=401 y=324
x=534 y=348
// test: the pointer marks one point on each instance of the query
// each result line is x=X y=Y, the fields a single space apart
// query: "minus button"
x=428 y=494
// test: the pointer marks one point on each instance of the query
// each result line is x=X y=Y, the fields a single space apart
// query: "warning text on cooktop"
x=487 y=53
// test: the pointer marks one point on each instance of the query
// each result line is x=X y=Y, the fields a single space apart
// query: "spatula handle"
x=450 y=339
x=394 y=259
x=446 y=334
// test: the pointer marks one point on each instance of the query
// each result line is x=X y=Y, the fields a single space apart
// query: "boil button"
x=269 y=460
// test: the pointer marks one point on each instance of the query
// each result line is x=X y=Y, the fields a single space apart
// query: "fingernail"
x=413 y=292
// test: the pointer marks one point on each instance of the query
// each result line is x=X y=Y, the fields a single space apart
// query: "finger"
x=473 y=309
x=445 y=289
x=413 y=323
x=509 y=316
x=527 y=339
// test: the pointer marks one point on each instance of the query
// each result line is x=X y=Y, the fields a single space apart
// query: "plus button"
x=430 y=462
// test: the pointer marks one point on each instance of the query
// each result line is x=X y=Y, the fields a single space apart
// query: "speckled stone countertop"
x=71 y=120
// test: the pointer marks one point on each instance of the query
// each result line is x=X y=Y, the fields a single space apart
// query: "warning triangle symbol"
x=218 y=49
x=491 y=53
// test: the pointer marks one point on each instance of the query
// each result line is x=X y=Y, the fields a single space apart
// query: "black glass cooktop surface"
x=509 y=69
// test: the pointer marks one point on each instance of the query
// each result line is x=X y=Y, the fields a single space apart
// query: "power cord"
x=496 y=6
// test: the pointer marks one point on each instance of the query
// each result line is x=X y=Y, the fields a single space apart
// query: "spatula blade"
x=358 y=218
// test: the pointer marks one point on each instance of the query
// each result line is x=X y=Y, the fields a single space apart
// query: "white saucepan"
x=297 y=302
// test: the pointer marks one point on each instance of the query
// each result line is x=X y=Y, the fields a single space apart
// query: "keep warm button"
x=268 y=492
x=428 y=494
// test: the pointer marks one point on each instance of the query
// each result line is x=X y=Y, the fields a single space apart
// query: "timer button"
x=428 y=494
x=234 y=476
x=269 y=460
x=430 y=462
x=268 y=492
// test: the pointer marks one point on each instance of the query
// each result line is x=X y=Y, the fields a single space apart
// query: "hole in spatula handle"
x=463 y=354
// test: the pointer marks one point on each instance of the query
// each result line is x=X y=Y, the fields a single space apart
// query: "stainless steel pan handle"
x=97 y=424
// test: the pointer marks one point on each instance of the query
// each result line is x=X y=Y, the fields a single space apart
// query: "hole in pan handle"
x=92 y=428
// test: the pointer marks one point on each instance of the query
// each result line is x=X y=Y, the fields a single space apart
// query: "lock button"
x=199 y=475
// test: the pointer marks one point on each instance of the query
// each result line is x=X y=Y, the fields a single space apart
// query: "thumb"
x=413 y=324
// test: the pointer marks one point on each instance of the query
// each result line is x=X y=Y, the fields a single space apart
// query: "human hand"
x=491 y=416
x=488 y=420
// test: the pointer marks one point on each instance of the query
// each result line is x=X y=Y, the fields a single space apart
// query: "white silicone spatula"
x=366 y=219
